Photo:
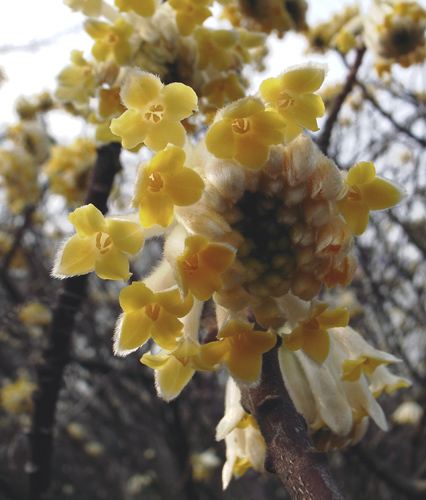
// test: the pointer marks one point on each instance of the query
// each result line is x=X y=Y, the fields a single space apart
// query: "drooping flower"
x=110 y=40
x=240 y=347
x=312 y=335
x=366 y=192
x=292 y=95
x=148 y=314
x=164 y=183
x=99 y=245
x=201 y=265
x=245 y=131
x=154 y=111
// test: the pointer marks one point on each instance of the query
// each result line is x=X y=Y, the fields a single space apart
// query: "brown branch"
x=57 y=354
x=291 y=455
x=323 y=141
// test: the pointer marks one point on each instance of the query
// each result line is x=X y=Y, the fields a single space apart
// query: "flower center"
x=103 y=242
x=354 y=194
x=191 y=264
x=285 y=100
x=156 y=113
x=155 y=182
x=241 y=125
x=182 y=359
x=111 y=38
x=152 y=312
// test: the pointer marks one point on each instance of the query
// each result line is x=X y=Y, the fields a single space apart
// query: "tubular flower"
x=366 y=192
x=291 y=94
x=99 y=245
x=144 y=9
x=154 y=111
x=148 y=314
x=190 y=13
x=312 y=335
x=163 y=183
x=201 y=265
x=245 y=131
x=240 y=348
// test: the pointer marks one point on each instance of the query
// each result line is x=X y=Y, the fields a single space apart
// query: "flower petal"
x=112 y=265
x=127 y=236
x=180 y=101
x=131 y=127
x=77 y=257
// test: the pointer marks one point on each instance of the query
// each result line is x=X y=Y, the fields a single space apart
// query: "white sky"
x=31 y=70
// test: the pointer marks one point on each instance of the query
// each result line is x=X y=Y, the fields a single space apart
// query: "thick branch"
x=291 y=455
x=324 y=139
x=57 y=354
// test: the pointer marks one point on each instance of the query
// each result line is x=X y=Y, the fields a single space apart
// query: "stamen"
x=241 y=125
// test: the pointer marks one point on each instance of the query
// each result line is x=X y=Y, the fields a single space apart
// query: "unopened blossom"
x=240 y=347
x=110 y=40
x=190 y=13
x=366 y=192
x=292 y=95
x=146 y=8
x=245 y=131
x=312 y=334
x=148 y=314
x=200 y=266
x=154 y=111
x=164 y=183
x=100 y=245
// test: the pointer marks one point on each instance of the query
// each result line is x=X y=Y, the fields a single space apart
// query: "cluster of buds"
x=256 y=220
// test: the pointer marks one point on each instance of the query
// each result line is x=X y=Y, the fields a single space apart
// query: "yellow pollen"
x=285 y=100
x=103 y=242
x=191 y=264
x=155 y=182
x=153 y=312
x=156 y=113
x=241 y=125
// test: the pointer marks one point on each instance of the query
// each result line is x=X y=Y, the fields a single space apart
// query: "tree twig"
x=57 y=354
x=290 y=453
x=324 y=139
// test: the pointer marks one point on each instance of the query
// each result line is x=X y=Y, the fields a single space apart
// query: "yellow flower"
x=240 y=348
x=201 y=265
x=109 y=102
x=173 y=370
x=148 y=314
x=146 y=8
x=312 y=335
x=291 y=94
x=353 y=368
x=16 y=397
x=214 y=47
x=99 y=246
x=224 y=89
x=110 y=40
x=154 y=111
x=76 y=82
x=366 y=192
x=190 y=13
x=245 y=132
x=163 y=183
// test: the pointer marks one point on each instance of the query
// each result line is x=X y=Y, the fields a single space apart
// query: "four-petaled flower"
x=312 y=335
x=164 y=183
x=154 y=111
x=240 y=348
x=110 y=40
x=190 y=13
x=291 y=94
x=99 y=245
x=366 y=192
x=148 y=314
x=245 y=131
x=201 y=265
